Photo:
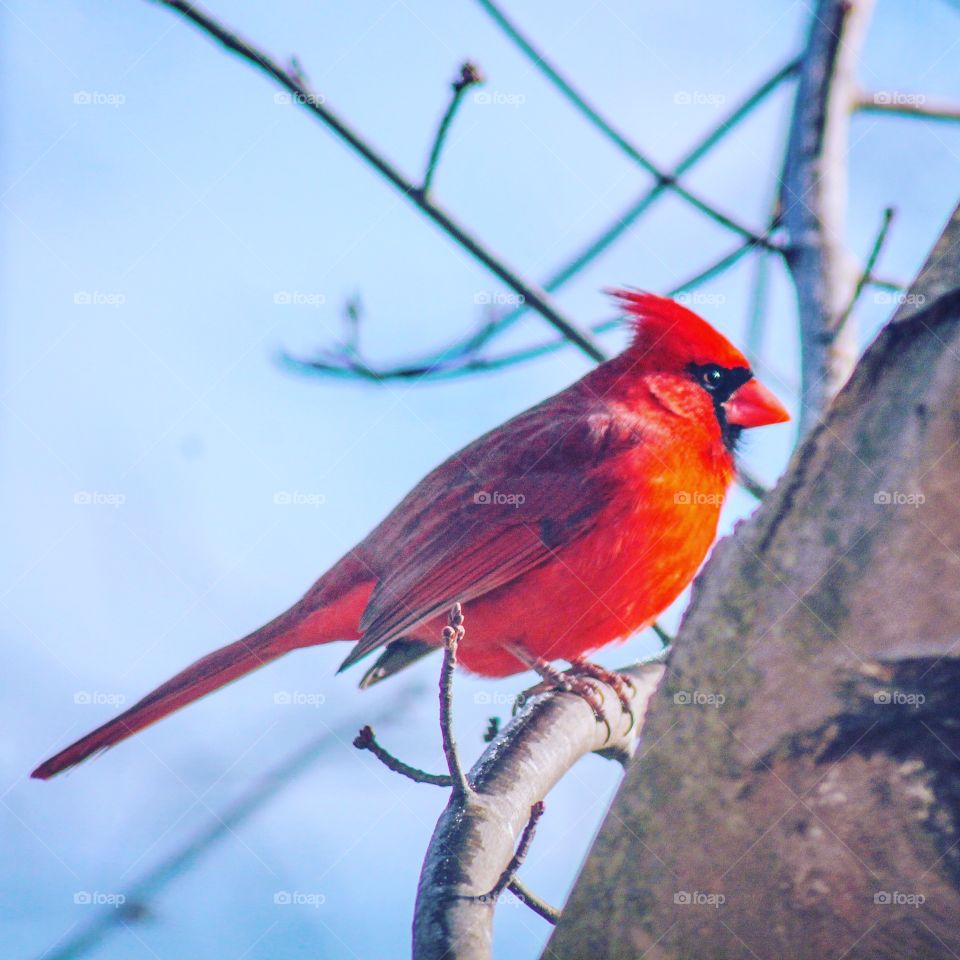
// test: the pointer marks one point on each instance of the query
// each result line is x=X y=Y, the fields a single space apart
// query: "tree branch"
x=917 y=105
x=615 y=136
x=535 y=903
x=533 y=295
x=523 y=848
x=474 y=839
x=366 y=740
x=463 y=358
x=813 y=200
x=470 y=75
x=867 y=271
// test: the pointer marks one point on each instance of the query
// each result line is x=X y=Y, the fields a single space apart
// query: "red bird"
x=569 y=527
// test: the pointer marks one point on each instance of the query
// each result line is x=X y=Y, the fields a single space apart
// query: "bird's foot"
x=579 y=683
x=621 y=683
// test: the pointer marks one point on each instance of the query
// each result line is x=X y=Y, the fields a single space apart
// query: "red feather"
x=565 y=529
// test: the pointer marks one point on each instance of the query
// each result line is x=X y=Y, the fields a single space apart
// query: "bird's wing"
x=501 y=507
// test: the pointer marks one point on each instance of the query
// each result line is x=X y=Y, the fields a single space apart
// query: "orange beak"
x=753 y=405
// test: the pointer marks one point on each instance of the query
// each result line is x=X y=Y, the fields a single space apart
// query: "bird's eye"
x=712 y=377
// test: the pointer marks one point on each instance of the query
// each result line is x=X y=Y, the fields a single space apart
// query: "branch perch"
x=473 y=843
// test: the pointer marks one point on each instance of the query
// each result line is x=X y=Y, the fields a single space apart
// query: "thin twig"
x=523 y=848
x=541 y=63
x=665 y=638
x=469 y=76
x=623 y=221
x=758 y=299
x=366 y=740
x=452 y=635
x=461 y=362
x=901 y=104
x=461 y=358
x=306 y=98
x=539 y=906
x=750 y=483
x=867 y=271
x=885 y=283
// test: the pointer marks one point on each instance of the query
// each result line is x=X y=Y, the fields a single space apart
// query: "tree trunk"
x=799 y=791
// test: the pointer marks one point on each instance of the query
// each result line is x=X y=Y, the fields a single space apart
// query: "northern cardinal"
x=569 y=527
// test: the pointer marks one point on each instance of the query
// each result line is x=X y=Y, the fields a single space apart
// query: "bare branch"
x=452 y=635
x=523 y=848
x=665 y=638
x=813 y=200
x=593 y=115
x=474 y=840
x=535 y=903
x=750 y=483
x=867 y=271
x=469 y=76
x=366 y=740
x=451 y=361
x=305 y=97
x=465 y=361
x=902 y=104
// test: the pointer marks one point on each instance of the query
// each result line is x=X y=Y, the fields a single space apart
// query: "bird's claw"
x=621 y=683
x=589 y=690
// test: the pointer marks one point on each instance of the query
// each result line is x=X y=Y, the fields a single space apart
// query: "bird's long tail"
x=302 y=625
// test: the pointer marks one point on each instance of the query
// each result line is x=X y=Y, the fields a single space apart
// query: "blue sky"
x=145 y=435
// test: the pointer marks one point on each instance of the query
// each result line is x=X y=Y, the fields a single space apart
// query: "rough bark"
x=476 y=835
x=808 y=805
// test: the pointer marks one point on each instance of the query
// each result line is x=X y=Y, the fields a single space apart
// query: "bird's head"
x=691 y=367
